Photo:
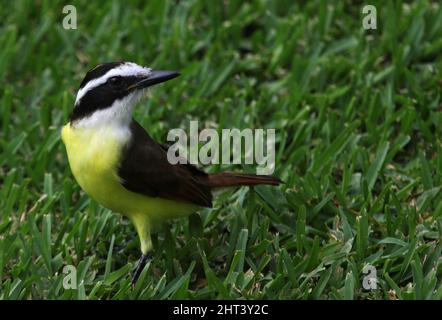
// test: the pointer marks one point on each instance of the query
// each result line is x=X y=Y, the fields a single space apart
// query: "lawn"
x=357 y=114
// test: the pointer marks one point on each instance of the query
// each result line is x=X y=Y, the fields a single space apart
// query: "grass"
x=358 y=125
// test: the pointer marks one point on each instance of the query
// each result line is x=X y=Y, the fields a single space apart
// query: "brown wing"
x=145 y=169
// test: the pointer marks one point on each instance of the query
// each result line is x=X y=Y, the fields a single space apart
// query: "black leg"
x=140 y=266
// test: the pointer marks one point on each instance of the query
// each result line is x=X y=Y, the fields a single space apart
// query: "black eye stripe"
x=117 y=82
x=99 y=71
x=102 y=97
x=116 y=79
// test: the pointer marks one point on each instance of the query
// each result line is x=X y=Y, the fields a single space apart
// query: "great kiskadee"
x=119 y=165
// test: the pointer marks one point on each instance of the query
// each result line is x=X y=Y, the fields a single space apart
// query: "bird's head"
x=109 y=92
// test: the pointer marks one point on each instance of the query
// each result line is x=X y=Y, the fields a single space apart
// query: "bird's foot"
x=140 y=266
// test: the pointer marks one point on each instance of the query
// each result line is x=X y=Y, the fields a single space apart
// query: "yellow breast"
x=94 y=155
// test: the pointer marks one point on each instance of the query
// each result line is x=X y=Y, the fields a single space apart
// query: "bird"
x=118 y=164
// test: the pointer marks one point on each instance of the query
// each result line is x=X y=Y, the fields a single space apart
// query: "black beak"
x=154 y=78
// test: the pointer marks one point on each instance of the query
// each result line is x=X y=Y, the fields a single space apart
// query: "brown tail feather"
x=229 y=179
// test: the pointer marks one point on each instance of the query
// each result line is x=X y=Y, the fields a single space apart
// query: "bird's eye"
x=115 y=81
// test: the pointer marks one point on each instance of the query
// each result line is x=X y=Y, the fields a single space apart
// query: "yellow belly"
x=94 y=155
